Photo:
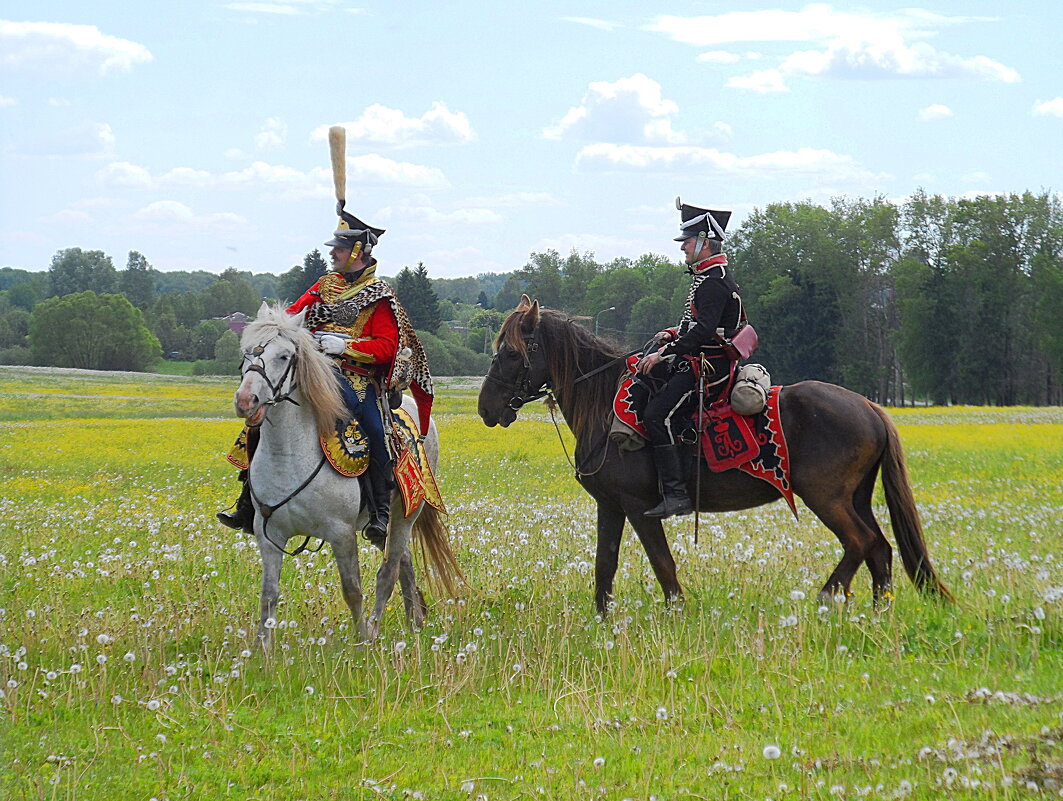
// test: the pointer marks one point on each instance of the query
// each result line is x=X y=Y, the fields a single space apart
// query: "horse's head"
x=268 y=367
x=519 y=371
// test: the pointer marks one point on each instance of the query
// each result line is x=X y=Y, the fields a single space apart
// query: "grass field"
x=127 y=670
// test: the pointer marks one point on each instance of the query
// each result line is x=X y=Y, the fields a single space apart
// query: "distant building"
x=236 y=322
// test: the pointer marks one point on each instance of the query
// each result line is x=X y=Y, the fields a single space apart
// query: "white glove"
x=333 y=346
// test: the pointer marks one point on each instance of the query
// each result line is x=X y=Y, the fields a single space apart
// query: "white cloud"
x=1049 y=108
x=762 y=81
x=719 y=57
x=87 y=140
x=290 y=8
x=56 y=46
x=605 y=247
x=627 y=110
x=848 y=45
x=277 y=179
x=457 y=262
x=283 y=9
x=122 y=173
x=419 y=211
x=824 y=165
x=169 y=215
x=272 y=136
x=380 y=125
x=934 y=112
x=58 y=102
x=6 y=101
x=69 y=218
x=600 y=24
x=514 y=200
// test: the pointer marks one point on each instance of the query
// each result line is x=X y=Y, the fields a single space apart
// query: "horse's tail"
x=904 y=516
x=435 y=548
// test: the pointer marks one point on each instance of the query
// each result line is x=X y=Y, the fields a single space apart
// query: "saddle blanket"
x=755 y=444
x=347 y=450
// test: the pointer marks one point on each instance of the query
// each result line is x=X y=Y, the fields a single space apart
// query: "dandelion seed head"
x=772 y=752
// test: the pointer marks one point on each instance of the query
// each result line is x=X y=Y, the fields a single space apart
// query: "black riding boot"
x=670 y=462
x=380 y=486
x=243 y=516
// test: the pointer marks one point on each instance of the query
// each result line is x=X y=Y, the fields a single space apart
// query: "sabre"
x=697 y=446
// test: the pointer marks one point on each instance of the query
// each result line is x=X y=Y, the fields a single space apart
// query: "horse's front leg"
x=272 y=557
x=345 y=549
x=610 y=532
x=651 y=535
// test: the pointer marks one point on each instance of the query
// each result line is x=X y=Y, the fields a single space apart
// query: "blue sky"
x=193 y=132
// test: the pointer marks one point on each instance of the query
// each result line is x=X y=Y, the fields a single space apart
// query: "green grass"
x=109 y=549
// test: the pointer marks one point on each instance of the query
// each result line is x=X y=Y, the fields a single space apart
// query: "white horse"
x=289 y=389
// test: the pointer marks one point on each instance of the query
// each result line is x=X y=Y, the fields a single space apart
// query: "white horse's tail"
x=435 y=550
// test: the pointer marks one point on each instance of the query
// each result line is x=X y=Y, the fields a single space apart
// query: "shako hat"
x=350 y=231
x=695 y=221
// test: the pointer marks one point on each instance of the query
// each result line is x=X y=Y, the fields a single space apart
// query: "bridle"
x=520 y=387
x=523 y=393
x=258 y=365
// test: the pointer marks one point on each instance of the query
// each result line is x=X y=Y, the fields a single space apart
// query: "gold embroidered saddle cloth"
x=347 y=450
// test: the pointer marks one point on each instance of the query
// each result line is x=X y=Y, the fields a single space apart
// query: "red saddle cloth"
x=754 y=444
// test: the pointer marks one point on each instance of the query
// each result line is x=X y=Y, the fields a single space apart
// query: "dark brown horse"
x=837 y=440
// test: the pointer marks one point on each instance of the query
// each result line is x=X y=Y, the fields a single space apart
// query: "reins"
x=265 y=509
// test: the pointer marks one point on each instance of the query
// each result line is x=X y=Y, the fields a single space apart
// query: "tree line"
x=942 y=300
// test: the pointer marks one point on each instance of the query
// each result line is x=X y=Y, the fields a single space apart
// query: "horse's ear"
x=531 y=318
x=525 y=304
x=263 y=310
x=300 y=316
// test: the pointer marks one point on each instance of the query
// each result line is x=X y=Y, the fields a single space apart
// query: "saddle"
x=347 y=450
x=754 y=444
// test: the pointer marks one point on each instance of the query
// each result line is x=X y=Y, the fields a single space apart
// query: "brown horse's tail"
x=435 y=549
x=904 y=516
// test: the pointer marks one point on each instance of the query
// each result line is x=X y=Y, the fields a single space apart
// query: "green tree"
x=542 y=279
x=507 y=298
x=415 y=292
x=204 y=337
x=91 y=331
x=227 y=354
x=76 y=270
x=230 y=293
x=137 y=281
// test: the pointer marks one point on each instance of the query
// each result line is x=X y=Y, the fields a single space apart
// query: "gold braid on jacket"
x=404 y=371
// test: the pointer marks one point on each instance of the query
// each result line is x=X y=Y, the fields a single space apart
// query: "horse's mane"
x=571 y=351
x=314 y=373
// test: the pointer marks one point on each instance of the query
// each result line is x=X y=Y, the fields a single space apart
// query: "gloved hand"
x=663 y=336
x=332 y=345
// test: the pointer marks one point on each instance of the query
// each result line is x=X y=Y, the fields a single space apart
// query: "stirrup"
x=671 y=506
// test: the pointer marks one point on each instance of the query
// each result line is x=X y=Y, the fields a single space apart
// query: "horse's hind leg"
x=398 y=544
x=345 y=549
x=879 y=559
x=412 y=598
x=857 y=539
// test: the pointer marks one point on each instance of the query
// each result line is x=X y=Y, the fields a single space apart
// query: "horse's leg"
x=272 y=557
x=651 y=535
x=879 y=559
x=345 y=549
x=412 y=598
x=857 y=539
x=398 y=543
x=610 y=531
